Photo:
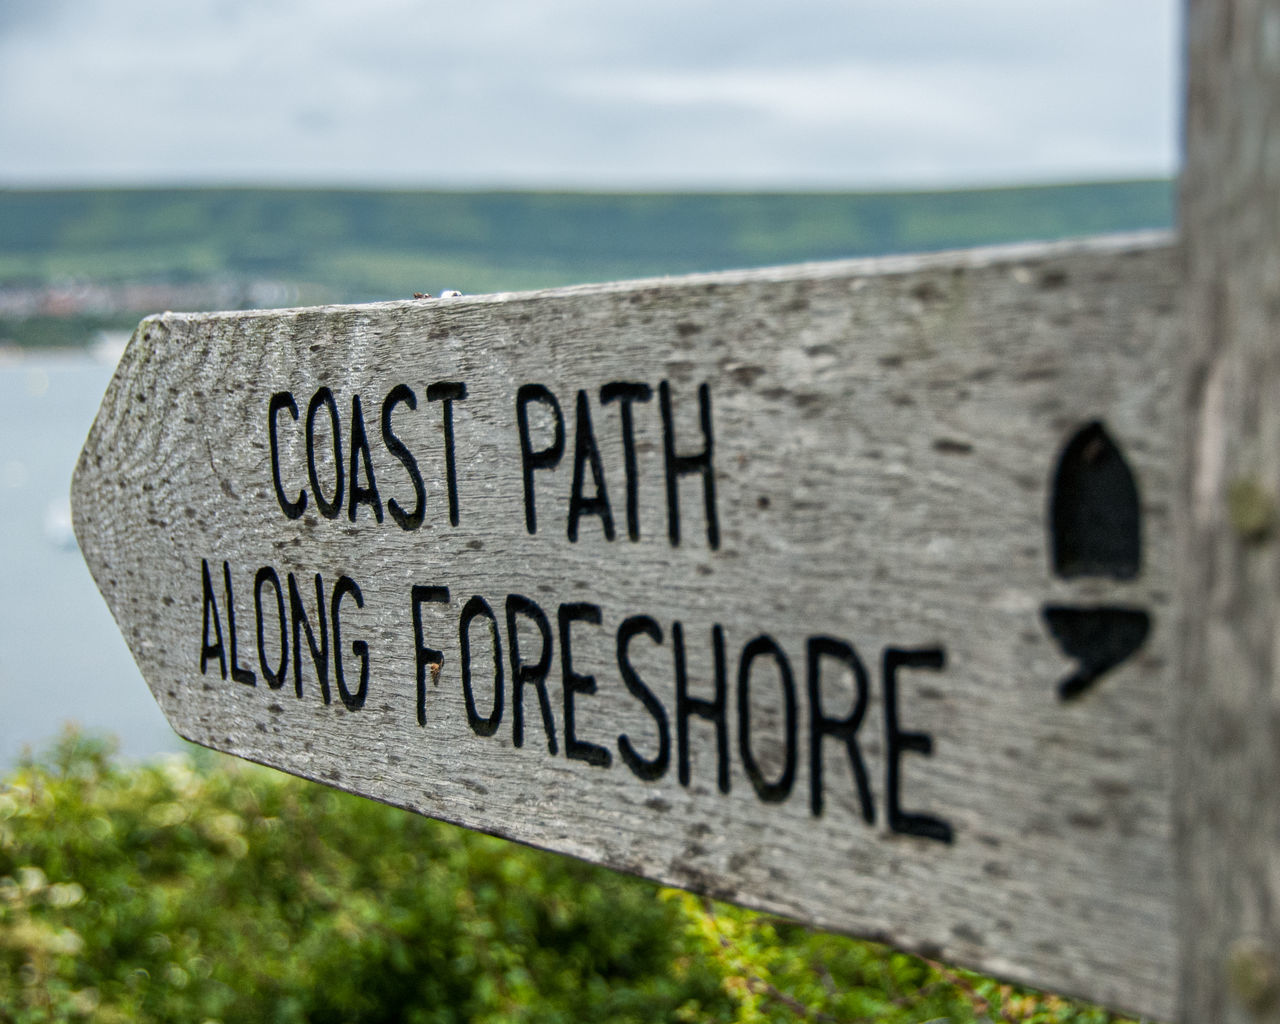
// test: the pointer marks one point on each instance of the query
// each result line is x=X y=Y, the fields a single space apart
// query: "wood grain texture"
x=1229 y=725
x=885 y=437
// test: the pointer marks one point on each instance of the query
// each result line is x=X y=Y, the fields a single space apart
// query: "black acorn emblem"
x=1095 y=521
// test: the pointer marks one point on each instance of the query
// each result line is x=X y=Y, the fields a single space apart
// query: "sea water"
x=62 y=658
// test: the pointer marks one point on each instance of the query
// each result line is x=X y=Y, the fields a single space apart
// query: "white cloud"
x=673 y=92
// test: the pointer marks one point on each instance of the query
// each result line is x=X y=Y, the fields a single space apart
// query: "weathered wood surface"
x=885 y=439
x=1229 y=729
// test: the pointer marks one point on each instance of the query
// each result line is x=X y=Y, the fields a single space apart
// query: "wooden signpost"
x=846 y=591
x=843 y=591
x=1227 y=808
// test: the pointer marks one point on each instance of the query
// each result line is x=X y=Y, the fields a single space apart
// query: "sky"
x=587 y=93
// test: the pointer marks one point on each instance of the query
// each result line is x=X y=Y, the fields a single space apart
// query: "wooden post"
x=1228 y=804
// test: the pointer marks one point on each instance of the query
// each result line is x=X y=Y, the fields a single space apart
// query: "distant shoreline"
x=74 y=262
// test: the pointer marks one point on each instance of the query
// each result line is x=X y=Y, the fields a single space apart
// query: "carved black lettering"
x=478 y=607
x=576 y=683
x=324 y=398
x=544 y=458
x=448 y=392
x=680 y=465
x=642 y=768
x=405 y=520
x=361 y=457
x=586 y=453
x=209 y=613
x=283 y=400
x=845 y=729
x=426 y=658
x=535 y=674
x=301 y=623
x=240 y=675
x=897 y=742
x=275 y=679
x=360 y=648
x=778 y=790
x=626 y=394
x=713 y=710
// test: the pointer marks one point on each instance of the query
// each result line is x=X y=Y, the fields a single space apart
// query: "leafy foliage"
x=203 y=889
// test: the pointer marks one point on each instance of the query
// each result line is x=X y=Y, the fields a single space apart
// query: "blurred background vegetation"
x=200 y=888
x=76 y=260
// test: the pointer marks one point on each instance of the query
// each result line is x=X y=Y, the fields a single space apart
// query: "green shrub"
x=204 y=889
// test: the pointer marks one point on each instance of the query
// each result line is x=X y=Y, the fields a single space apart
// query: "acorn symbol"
x=1095 y=524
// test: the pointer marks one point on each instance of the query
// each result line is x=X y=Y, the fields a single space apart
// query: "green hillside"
x=369 y=245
